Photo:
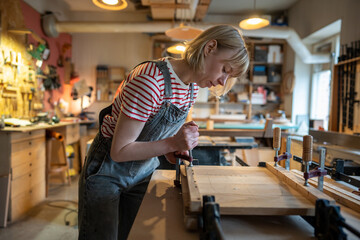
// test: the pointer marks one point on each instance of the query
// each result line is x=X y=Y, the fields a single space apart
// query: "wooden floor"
x=47 y=221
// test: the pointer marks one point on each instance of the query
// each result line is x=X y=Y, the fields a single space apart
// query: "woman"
x=146 y=120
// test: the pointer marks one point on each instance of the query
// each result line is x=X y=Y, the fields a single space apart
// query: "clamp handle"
x=277 y=138
x=307 y=148
x=307 y=156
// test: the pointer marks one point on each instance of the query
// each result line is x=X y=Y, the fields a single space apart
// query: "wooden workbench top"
x=40 y=126
x=160 y=217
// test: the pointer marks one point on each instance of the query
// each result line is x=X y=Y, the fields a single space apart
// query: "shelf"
x=268 y=84
x=198 y=104
x=221 y=104
x=267 y=63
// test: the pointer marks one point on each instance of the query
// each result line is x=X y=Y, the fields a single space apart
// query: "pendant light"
x=183 y=32
x=178 y=48
x=114 y=5
x=254 y=22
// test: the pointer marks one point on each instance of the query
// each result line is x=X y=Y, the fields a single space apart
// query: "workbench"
x=23 y=166
x=161 y=217
x=211 y=150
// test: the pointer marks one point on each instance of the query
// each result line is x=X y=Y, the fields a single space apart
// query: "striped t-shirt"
x=143 y=93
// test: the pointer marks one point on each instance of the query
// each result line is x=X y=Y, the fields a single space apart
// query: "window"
x=321 y=81
x=320 y=96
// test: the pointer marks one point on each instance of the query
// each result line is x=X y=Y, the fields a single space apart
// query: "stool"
x=56 y=160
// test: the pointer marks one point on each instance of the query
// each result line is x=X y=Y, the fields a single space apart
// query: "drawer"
x=21 y=136
x=20 y=185
x=72 y=134
x=27 y=181
x=26 y=200
x=27 y=167
x=30 y=150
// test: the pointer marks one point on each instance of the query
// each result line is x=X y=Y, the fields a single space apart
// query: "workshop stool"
x=56 y=160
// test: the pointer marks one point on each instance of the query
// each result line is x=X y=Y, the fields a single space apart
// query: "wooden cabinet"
x=261 y=91
x=23 y=155
x=23 y=160
x=266 y=74
x=345 y=100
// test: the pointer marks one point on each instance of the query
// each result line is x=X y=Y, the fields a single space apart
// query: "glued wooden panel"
x=245 y=191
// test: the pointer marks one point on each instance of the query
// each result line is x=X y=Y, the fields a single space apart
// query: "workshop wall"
x=20 y=87
x=15 y=63
x=32 y=21
x=112 y=49
x=308 y=16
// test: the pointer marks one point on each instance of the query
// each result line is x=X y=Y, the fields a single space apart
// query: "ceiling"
x=216 y=6
x=67 y=8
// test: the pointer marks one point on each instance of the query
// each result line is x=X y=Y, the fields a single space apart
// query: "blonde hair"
x=227 y=37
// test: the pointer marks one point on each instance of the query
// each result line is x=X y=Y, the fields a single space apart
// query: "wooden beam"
x=170 y=5
x=232 y=133
x=190 y=219
x=340 y=195
x=311 y=193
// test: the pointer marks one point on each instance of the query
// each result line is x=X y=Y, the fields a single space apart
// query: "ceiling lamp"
x=114 y=5
x=254 y=22
x=178 y=48
x=183 y=32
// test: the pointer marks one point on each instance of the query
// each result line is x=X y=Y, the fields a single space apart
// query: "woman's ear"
x=210 y=47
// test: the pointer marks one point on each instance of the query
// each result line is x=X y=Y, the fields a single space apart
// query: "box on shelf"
x=260 y=79
x=259 y=70
x=274 y=54
x=260 y=53
x=274 y=74
x=258 y=98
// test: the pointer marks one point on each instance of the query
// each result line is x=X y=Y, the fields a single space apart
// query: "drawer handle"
x=29 y=174
x=30 y=164
x=29 y=153
x=30 y=143
x=30 y=191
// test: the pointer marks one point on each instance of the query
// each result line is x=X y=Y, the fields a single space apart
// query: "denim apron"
x=110 y=193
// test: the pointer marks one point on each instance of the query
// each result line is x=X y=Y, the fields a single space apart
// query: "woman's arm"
x=125 y=148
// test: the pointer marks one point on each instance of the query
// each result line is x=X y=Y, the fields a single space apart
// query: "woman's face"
x=216 y=70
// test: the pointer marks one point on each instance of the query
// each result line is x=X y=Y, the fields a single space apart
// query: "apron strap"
x=168 y=91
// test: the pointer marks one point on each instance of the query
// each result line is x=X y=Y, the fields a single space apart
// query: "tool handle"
x=277 y=138
x=307 y=148
x=183 y=156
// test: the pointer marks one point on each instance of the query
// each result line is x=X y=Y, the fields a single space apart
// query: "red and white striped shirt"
x=143 y=93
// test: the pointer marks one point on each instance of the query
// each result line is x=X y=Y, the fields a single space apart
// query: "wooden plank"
x=194 y=194
x=340 y=195
x=190 y=219
x=232 y=132
x=309 y=192
x=268 y=129
x=245 y=191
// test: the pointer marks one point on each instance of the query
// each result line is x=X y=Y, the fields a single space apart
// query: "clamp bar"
x=210 y=221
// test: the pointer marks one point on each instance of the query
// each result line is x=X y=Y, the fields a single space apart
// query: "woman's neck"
x=182 y=70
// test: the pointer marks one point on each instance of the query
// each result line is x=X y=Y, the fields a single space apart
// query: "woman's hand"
x=187 y=137
x=171 y=156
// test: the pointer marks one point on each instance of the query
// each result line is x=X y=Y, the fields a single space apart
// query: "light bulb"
x=111 y=2
x=254 y=21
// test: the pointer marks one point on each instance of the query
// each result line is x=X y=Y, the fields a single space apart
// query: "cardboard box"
x=274 y=54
